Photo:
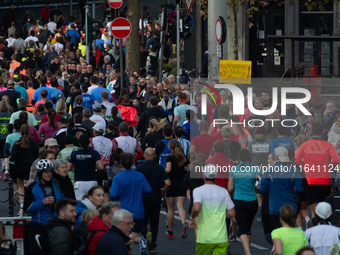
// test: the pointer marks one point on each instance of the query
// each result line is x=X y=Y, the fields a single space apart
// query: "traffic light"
x=90 y=29
x=187 y=26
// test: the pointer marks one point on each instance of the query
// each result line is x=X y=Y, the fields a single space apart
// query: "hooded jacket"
x=34 y=196
x=96 y=224
x=60 y=239
x=82 y=206
x=280 y=186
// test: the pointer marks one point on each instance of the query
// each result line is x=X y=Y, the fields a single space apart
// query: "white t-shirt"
x=58 y=47
x=92 y=87
x=215 y=201
x=99 y=119
x=104 y=146
x=51 y=25
x=10 y=41
x=33 y=38
x=322 y=238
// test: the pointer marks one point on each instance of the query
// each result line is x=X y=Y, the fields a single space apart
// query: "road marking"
x=238 y=239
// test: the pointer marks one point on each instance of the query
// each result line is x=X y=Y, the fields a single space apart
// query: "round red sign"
x=120 y=28
x=115 y=4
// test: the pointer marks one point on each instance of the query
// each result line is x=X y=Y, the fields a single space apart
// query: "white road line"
x=238 y=239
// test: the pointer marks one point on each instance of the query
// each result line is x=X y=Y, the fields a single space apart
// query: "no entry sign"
x=115 y=4
x=120 y=28
x=220 y=30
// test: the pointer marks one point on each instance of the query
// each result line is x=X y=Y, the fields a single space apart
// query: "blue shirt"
x=130 y=185
x=23 y=92
x=181 y=112
x=84 y=164
x=191 y=128
x=74 y=35
x=88 y=101
x=37 y=97
x=166 y=152
x=99 y=43
x=244 y=175
x=281 y=142
x=96 y=93
x=57 y=93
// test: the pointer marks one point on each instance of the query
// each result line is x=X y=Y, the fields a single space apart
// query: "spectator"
x=61 y=176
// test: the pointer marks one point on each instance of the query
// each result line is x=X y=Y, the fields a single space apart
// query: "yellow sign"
x=235 y=71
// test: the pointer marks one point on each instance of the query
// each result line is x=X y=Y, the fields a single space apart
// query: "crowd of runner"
x=93 y=160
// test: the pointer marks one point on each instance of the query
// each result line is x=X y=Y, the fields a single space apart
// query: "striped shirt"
x=185 y=146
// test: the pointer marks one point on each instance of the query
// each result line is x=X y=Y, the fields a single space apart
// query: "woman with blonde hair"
x=154 y=133
x=24 y=152
x=62 y=110
x=242 y=134
x=166 y=83
x=176 y=168
x=105 y=36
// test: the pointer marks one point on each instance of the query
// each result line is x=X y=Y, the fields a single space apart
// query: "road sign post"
x=220 y=35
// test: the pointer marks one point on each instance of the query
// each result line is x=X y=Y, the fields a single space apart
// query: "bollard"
x=10 y=198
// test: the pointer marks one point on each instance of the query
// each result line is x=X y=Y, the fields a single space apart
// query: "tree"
x=132 y=57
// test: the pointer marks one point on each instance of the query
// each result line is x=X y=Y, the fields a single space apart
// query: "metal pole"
x=141 y=16
x=121 y=64
x=70 y=8
x=87 y=36
x=114 y=16
x=178 y=46
x=161 y=57
x=10 y=198
x=93 y=17
x=292 y=61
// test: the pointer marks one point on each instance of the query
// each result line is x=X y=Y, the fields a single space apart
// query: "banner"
x=235 y=71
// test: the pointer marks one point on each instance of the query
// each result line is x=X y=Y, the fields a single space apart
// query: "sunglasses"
x=154 y=89
x=147 y=79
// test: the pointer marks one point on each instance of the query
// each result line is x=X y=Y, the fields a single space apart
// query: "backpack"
x=35 y=238
x=11 y=250
x=82 y=250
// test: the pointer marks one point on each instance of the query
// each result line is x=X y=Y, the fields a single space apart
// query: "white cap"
x=98 y=127
x=282 y=154
x=210 y=171
x=323 y=210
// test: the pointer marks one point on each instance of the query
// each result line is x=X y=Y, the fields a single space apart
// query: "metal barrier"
x=10 y=200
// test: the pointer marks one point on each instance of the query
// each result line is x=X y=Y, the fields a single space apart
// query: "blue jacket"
x=34 y=205
x=50 y=96
x=74 y=35
x=280 y=186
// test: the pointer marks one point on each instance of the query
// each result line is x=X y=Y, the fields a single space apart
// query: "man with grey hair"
x=100 y=224
x=116 y=240
x=61 y=176
x=172 y=79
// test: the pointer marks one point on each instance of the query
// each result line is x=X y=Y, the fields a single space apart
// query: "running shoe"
x=309 y=224
x=169 y=234
x=142 y=246
x=184 y=231
x=153 y=251
x=232 y=239
x=149 y=240
x=6 y=176
x=176 y=211
x=259 y=218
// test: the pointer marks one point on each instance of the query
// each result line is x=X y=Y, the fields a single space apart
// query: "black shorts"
x=317 y=193
x=12 y=173
x=139 y=225
x=23 y=175
x=176 y=190
x=2 y=148
x=245 y=213
x=305 y=186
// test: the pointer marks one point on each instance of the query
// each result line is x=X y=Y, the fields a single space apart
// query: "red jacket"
x=129 y=114
x=313 y=156
x=96 y=224
x=45 y=13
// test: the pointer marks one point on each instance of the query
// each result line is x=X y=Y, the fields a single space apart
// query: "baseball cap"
x=97 y=107
x=282 y=154
x=210 y=171
x=323 y=210
x=51 y=142
x=98 y=127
